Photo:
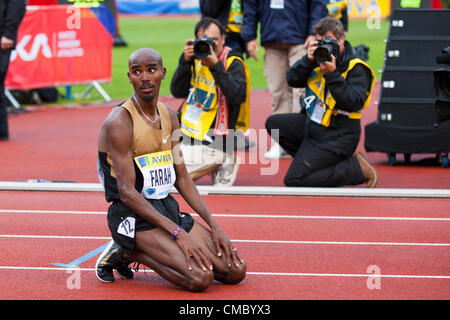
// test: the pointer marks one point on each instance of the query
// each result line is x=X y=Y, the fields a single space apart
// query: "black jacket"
x=220 y=10
x=343 y=134
x=349 y=93
x=217 y=9
x=232 y=83
x=11 y=14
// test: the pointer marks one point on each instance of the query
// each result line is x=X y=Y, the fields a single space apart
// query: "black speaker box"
x=411 y=114
x=408 y=83
x=419 y=22
x=417 y=52
x=406 y=110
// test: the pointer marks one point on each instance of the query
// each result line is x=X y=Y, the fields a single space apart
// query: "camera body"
x=202 y=46
x=325 y=49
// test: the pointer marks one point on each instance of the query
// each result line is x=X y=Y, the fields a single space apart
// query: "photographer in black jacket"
x=323 y=137
x=11 y=14
x=216 y=88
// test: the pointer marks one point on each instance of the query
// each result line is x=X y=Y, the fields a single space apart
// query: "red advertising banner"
x=60 y=45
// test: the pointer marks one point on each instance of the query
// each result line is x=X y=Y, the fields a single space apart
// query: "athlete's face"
x=145 y=73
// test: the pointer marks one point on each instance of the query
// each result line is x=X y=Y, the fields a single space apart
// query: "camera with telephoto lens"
x=202 y=47
x=325 y=49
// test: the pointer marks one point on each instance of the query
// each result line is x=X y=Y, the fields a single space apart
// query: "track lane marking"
x=297 y=274
x=241 y=215
x=246 y=241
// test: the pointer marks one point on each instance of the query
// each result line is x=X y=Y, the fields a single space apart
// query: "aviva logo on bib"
x=155 y=159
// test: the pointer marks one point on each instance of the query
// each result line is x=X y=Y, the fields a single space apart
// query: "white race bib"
x=126 y=227
x=158 y=172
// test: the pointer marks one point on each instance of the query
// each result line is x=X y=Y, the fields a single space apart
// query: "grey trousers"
x=277 y=60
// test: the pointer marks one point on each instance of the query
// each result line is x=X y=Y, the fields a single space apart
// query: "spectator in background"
x=324 y=135
x=217 y=89
x=11 y=15
x=229 y=13
x=286 y=31
x=338 y=9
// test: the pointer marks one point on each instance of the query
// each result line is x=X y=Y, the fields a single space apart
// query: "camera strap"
x=221 y=127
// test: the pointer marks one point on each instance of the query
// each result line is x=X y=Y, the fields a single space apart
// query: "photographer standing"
x=215 y=82
x=324 y=135
x=229 y=13
x=11 y=15
x=286 y=30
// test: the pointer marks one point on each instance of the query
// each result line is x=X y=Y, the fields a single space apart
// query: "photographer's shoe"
x=227 y=173
x=369 y=173
x=112 y=258
x=276 y=152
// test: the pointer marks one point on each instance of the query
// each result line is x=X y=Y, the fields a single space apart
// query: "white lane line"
x=296 y=274
x=240 y=215
x=246 y=241
x=27 y=236
x=52 y=211
x=347 y=243
x=347 y=275
x=243 y=190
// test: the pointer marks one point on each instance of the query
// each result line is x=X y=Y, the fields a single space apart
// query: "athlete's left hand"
x=224 y=244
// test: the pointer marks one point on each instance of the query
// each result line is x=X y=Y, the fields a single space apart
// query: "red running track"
x=295 y=248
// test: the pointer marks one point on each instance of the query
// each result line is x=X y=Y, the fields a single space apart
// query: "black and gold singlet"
x=152 y=155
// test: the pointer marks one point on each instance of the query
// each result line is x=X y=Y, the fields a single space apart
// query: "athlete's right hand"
x=192 y=250
x=188 y=51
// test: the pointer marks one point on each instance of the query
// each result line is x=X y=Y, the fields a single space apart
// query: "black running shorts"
x=123 y=222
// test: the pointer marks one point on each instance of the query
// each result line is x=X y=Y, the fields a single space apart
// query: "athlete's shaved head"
x=145 y=73
x=145 y=53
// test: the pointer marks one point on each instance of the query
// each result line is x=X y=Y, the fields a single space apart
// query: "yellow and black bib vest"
x=152 y=154
x=205 y=103
x=320 y=108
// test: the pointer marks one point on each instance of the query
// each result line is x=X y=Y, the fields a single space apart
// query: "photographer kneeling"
x=215 y=82
x=323 y=137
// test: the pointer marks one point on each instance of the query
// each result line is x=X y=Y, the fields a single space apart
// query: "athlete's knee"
x=199 y=280
x=235 y=274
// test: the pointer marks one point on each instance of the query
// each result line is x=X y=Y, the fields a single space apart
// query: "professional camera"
x=326 y=48
x=202 y=47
